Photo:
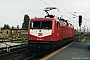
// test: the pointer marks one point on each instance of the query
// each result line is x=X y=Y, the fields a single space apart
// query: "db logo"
x=39 y=34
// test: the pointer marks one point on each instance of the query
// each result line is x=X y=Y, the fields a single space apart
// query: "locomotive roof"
x=46 y=19
x=43 y=18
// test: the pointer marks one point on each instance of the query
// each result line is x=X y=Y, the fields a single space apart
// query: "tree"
x=6 y=26
x=25 y=22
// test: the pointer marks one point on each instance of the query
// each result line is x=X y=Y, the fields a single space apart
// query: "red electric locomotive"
x=48 y=32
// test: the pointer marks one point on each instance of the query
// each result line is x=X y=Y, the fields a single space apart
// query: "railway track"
x=14 y=51
x=20 y=53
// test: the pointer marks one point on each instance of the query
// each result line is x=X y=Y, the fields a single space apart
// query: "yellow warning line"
x=55 y=52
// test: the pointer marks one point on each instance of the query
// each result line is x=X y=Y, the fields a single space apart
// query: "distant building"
x=14 y=32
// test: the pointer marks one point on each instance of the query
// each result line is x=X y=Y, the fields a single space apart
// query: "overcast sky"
x=12 y=11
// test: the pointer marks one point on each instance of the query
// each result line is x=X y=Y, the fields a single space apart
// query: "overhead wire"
x=64 y=9
x=54 y=3
x=71 y=13
x=45 y=3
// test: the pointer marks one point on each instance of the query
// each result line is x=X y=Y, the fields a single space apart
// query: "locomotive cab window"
x=46 y=25
x=41 y=25
x=35 y=25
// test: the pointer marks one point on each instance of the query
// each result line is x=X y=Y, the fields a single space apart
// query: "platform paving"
x=76 y=51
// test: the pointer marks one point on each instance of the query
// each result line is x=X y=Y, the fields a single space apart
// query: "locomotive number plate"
x=39 y=34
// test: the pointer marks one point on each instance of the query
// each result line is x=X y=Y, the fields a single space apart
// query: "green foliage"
x=75 y=31
x=6 y=26
x=25 y=41
x=13 y=37
x=25 y=22
x=85 y=38
x=21 y=41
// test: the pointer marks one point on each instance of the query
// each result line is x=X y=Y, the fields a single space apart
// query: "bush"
x=13 y=37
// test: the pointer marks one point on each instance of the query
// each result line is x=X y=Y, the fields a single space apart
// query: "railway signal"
x=80 y=20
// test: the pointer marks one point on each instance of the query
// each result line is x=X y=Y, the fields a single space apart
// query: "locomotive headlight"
x=50 y=39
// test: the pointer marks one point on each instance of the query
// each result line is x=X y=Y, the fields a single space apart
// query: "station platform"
x=75 y=51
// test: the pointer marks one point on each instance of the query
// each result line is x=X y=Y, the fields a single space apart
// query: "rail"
x=9 y=48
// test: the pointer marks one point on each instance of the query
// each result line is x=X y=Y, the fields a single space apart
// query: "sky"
x=12 y=11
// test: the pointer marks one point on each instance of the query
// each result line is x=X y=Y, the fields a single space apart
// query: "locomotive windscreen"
x=41 y=25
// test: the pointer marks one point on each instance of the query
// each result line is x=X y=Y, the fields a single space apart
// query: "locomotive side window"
x=46 y=25
x=58 y=25
x=35 y=25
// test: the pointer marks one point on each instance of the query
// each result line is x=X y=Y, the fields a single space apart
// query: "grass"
x=21 y=41
x=18 y=40
x=85 y=39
